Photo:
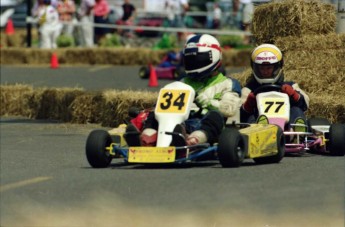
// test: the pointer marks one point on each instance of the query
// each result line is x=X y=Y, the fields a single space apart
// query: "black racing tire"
x=231 y=148
x=337 y=139
x=280 y=147
x=144 y=72
x=96 y=153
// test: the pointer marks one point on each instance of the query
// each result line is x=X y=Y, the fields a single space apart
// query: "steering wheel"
x=267 y=88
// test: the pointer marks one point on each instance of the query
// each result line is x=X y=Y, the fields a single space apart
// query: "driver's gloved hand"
x=203 y=100
x=287 y=89
x=250 y=104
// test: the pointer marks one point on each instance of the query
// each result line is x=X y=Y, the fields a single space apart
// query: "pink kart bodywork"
x=165 y=72
x=301 y=141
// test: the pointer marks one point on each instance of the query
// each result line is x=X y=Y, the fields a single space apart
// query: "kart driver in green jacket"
x=217 y=96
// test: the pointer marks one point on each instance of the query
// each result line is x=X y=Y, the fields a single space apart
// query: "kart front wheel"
x=336 y=139
x=144 y=72
x=280 y=148
x=96 y=149
x=231 y=148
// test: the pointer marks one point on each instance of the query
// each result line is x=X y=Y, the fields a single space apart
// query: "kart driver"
x=217 y=96
x=267 y=66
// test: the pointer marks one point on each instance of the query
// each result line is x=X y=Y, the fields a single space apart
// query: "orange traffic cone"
x=9 y=27
x=54 y=63
x=153 y=77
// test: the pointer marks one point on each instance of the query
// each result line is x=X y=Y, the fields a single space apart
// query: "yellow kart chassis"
x=260 y=140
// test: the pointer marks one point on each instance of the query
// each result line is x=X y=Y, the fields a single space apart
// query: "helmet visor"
x=266 y=71
x=194 y=60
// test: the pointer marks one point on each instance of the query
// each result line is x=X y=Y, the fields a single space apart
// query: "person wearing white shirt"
x=217 y=16
x=50 y=26
x=85 y=14
x=247 y=16
x=176 y=10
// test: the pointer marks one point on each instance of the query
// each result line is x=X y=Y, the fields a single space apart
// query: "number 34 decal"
x=173 y=101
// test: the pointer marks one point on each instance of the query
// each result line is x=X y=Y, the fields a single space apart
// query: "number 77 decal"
x=276 y=105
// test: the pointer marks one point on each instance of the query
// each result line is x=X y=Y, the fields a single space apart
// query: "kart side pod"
x=263 y=143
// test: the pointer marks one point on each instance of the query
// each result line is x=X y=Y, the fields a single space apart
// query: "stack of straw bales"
x=314 y=55
x=104 y=56
x=109 y=107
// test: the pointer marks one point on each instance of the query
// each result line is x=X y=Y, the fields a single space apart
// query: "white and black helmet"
x=201 y=55
x=267 y=54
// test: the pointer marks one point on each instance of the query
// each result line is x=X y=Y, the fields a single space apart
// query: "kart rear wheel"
x=280 y=147
x=96 y=152
x=144 y=72
x=336 y=139
x=231 y=148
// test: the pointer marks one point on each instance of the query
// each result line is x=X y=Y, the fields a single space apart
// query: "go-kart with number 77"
x=316 y=135
x=263 y=143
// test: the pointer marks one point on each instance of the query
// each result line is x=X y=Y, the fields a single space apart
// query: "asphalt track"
x=46 y=180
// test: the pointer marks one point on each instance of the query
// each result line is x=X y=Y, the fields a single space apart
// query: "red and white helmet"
x=201 y=55
x=267 y=54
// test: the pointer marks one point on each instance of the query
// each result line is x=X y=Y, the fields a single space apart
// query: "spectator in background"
x=247 y=16
x=49 y=25
x=85 y=14
x=101 y=12
x=217 y=16
x=176 y=10
x=128 y=12
x=128 y=17
x=170 y=8
x=38 y=6
x=243 y=11
x=236 y=13
x=67 y=10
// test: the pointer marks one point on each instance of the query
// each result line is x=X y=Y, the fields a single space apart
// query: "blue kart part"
x=192 y=152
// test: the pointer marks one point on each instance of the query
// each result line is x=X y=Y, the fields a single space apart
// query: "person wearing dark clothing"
x=128 y=11
x=267 y=65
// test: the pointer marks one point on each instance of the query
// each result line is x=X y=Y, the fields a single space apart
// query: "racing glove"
x=292 y=93
x=203 y=100
x=250 y=104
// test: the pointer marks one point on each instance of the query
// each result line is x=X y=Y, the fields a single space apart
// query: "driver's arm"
x=245 y=93
x=303 y=102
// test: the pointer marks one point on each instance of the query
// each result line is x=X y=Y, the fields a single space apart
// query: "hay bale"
x=330 y=41
x=87 y=108
x=13 y=56
x=243 y=77
x=314 y=59
x=292 y=18
x=117 y=104
x=55 y=103
x=110 y=56
x=328 y=106
x=80 y=56
x=236 y=58
x=15 y=100
x=327 y=80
